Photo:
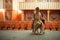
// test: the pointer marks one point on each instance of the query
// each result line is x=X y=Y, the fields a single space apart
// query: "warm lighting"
x=2 y=10
x=19 y=11
x=2 y=14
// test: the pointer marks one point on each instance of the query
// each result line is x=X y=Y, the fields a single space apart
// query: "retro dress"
x=37 y=23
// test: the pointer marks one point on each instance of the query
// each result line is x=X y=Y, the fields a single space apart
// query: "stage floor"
x=28 y=35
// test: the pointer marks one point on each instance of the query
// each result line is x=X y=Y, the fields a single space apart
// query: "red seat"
x=29 y=25
x=17 y=25
x=1 y=24
x=54 y=24
x=58 y=26
x=5 y=25
x=12 y=24
x=23 y=25
x=47 y=25
x=0 y=28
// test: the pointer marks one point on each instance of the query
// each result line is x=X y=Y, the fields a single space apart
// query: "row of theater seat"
x=15 y=25
x=27 y=25
x=52 y=25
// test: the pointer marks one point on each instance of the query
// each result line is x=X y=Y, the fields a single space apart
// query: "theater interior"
x=16 y=19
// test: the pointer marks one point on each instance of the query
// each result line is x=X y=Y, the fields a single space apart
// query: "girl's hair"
x=37 y=8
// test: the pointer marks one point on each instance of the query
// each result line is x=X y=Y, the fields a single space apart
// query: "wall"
x=16 y=4
x=41 y=5
x=1 y=12
x=2 y=15
x=54 y=15
x=1 y=4
x=15 y=9
x=16 y=16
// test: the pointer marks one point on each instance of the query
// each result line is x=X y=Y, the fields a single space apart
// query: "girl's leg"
x=42 y=29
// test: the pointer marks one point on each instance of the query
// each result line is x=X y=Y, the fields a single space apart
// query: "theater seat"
x=58 y=26
x=17 y=25
x=0 y=28
x=1 y=25
x=6 y=25
x=29 y=26
x=47 y=25
x=11 y=25
x=23 y=25
x=54 y=24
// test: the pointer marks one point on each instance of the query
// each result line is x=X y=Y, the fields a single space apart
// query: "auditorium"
x=16 y=19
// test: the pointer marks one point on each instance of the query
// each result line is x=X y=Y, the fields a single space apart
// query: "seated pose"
x=37 y=21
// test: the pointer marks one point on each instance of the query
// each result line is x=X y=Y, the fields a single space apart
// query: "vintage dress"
x=37 y=20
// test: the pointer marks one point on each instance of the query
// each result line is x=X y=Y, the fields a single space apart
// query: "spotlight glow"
x=2 y=10
x=19 y=11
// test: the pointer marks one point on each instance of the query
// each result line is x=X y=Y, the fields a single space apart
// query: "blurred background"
x=17 y=14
